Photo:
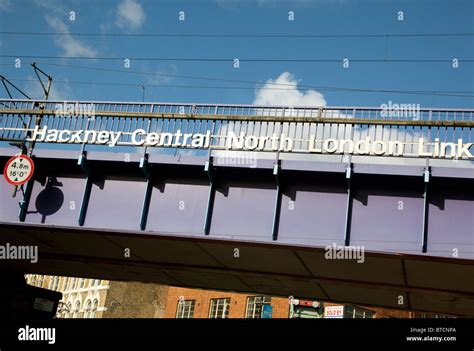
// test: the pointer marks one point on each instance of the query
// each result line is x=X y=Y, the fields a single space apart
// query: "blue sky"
x=244 y=17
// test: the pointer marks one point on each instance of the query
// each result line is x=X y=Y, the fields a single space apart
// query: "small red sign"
x=19 y=170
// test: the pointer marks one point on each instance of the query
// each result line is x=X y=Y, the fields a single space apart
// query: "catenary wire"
x=428 y=93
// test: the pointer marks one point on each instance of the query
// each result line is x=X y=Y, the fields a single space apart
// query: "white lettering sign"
x=241 y=141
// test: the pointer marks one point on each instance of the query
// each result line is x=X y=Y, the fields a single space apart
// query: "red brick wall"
x=238 y=303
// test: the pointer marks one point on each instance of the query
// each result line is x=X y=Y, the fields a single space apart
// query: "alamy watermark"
x=37 y=334
x=14 y=252
x=411 y=111
x=228 y=158
x=77 y=109
x=335 y=252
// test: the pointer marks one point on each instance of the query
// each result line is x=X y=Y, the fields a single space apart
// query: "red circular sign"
x=19 y=170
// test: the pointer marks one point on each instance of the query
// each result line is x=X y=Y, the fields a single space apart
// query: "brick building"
x=197 y=303
x=93 y=298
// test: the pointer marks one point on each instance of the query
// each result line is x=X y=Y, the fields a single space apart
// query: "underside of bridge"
x=394 y=281
x=241 y=230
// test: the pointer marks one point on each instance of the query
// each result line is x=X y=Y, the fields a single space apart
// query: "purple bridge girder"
x=182 y=225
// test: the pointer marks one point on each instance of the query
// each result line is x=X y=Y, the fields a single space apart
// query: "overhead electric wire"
x=427 y=93
x=233 y=80
x=237 y=35
x=240 y=81
x=209 y=59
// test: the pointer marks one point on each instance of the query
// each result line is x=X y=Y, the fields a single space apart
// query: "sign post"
x=19 y=170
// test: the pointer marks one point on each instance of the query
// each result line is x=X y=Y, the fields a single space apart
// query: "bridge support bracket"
x=145 y=166
x=26 y=200
x=348 y=220
x=82 y=162
x=424 y=237
x=277 y=210
x=209 y=168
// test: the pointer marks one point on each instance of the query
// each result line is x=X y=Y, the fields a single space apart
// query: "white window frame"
x=360 y=312
x=185 y=309
x=54 y=283
x=215 y=306
x=66 y=283
x=253 y=303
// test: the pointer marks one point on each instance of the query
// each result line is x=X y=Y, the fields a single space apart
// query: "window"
x=95 y=305
x=74 y=283
x=88 y=311
x=96 y=282
x=40 y=281
x=255 y=306
x=54 y=283
x=219 y=308
x=357 y=312
x=185 y=309
x=77 y=308
x=82 y=282
x=66 y=283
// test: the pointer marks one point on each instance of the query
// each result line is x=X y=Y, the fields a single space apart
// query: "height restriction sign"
x=19 y=169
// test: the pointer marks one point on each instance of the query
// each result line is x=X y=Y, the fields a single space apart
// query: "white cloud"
x=69 y=45
x=51 y=5
x=283 y=91
x=5 y=5
x=290 y=96
x=130 y=14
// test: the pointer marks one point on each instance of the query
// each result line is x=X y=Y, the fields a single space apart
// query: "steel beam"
x=26 y=200
x=82 y=161
x=322 y=119
x=277 y=210
x=144 y=165
x=424 y=237
x=348 y=220
x=209 y=168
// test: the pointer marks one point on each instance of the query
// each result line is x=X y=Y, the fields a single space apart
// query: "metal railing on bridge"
x=403 y=122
